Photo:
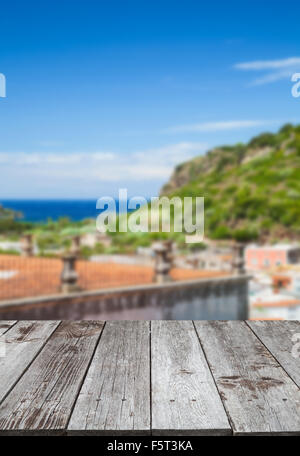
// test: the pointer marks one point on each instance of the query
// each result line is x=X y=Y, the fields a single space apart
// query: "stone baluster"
x=75 y=245
x=69 y=276
x=27 y=245
x=238 y=267
x=163 y=261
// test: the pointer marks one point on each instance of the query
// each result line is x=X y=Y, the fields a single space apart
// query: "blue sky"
x=110 y=94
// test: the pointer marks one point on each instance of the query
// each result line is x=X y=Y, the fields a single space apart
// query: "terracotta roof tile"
x=282 y=303
x=41 y=276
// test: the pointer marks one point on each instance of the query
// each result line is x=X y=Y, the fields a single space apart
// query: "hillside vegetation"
x=251 y=190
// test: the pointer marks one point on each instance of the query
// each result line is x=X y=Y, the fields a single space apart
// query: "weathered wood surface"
x=115 y=397
x=22 y=344
x=5 y=325
x=185 y=399
x=160 y=377
x=282 y=339
x=260 y=398
x=43 y=398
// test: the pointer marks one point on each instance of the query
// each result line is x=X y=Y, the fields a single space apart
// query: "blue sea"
x=42 y=210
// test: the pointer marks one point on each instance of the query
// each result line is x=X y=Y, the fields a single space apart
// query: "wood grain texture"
x=5 y=325
x=42 y=400
x=75 y=377
x=260 y=398
x=282 y=339
x=22 y=344
x=185 y=400
x=115 y=397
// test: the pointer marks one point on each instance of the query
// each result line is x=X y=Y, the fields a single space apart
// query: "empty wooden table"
x=141 y=378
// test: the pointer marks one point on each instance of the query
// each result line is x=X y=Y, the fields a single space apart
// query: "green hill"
x=251 y=190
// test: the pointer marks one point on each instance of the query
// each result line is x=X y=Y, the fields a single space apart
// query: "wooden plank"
x=22 y=344
x=282 y=339
x=5 y=325
x=42 y=400
x=260 y=398
x=185 y=400
x=115 y=397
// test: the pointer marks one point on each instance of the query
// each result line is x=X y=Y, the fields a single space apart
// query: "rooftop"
x=282 y=303
x=26 y=277
x=285 y=247
x=269 y=298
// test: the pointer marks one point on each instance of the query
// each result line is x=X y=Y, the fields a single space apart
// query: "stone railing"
x=223 y=298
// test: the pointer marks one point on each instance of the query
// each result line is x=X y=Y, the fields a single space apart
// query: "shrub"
x=263 y=140
x=245 y=235
x=221 y=232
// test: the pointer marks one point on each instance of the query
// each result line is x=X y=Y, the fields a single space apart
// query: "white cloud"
x=268 y=64
x=103 y=156
x=159 y=162
x=172 y=153
x=36 y=158
x=140 y=171
x=278 y=69
x=217 y=126
x=272 y=77
x=38 y=173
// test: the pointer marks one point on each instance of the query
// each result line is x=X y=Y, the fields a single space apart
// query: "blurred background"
x=161 y=98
